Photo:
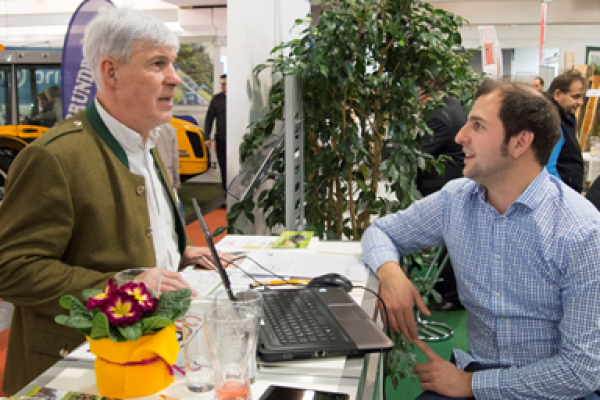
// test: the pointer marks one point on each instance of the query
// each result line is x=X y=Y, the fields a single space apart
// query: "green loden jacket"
x=73 y=215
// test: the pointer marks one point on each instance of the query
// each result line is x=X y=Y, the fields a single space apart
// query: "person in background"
x=46 y=116
x=168 y=149
x=445 y=123
x=593 y=194
x=525 y=251
x=218 y=110
x=53 y=93
x=87 y=199
x=538 y=84
x=567 y=93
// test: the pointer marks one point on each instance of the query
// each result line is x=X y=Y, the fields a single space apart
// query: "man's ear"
x=556 y=94
x=522 y=143
x=108 y=72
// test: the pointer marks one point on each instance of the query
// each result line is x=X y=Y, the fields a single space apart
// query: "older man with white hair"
x=89 y=198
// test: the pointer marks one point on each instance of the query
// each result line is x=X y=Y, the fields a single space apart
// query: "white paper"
x=303 y=264
x=207 y=283
x=244 y=243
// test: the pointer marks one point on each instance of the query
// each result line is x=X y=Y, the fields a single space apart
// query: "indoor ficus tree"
x=361 y=69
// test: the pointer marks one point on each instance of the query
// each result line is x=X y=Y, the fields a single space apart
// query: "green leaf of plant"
x=61 y=319
x=65 y=301
x=115 y=335
x=173 y=305
x=78 y=309
x=77 y=321
x=100 y=326
x=324 y=69
x=87 y=293
x=220 y=230
x=132 y=332
x=154 y=323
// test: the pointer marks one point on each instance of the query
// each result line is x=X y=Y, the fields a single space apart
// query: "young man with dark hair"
x=567 y=93
x=525 y=251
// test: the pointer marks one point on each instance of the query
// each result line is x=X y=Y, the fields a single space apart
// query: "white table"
x=356 y=376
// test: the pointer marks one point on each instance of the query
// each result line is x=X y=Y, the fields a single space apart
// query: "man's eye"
x=477 y=126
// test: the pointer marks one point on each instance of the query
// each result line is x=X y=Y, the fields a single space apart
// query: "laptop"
x=304 y=323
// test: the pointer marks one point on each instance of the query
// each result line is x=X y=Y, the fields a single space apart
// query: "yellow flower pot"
x=135 y=368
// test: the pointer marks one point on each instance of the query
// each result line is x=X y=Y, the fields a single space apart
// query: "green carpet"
x=407 y=389
x=204 y=193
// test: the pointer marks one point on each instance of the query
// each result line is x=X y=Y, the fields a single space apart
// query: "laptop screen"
x=213 y=251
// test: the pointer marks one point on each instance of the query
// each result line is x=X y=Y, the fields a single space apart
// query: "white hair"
x=115 y=32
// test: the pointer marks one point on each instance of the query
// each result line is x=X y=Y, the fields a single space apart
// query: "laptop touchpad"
x=347 y=312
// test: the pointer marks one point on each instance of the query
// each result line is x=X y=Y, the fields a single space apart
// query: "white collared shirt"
x=141 y=163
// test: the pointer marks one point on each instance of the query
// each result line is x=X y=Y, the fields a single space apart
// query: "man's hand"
x=400 y=296
x=168 y=280
x=203 y=257
x=207 y=143
x=441 y=376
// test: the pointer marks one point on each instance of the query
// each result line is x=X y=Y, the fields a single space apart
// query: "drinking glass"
x=253 y=299
x=132 y=275
x=199 y=374
x=230 y=330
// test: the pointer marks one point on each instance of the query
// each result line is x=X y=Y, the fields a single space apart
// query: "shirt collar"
x=530 y=198
x=130 y=140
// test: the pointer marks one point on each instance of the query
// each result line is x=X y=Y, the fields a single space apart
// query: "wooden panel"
x=590 y=114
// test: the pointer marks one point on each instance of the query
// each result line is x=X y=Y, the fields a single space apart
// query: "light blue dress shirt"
x=529 y=279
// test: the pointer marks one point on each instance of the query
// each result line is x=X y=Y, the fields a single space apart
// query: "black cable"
x=233 y=262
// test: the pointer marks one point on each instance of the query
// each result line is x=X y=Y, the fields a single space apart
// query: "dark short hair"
x=487 y=86
x=522 y=108
x=539 y=78
x=564 y=81
x=223 y=76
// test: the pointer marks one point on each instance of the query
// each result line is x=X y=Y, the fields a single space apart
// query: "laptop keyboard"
x=296 y=319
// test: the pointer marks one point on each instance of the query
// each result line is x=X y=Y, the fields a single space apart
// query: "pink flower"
x=121 y=309
x=99 y=299
x=141 y=294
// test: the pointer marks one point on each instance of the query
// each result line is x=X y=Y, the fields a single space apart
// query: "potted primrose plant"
x=131 y=333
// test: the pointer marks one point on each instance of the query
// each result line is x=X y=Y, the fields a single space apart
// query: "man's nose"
x=460 y=135
x=173 y=77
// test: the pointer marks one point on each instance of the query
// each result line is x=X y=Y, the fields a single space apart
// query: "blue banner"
x=77 y=86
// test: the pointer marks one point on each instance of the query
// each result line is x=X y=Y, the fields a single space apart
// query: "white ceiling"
x=43 y=23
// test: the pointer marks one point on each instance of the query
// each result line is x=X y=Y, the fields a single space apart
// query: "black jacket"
x=593 y=194
x=570 y=161
x=218 y=109
x=445 y=123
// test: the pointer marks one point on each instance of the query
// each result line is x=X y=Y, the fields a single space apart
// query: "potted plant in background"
x=361 y=68
x=131 y=333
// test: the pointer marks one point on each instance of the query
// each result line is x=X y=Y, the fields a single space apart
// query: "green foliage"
x=95 y=324
x=193 y=60
x=361 y=68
